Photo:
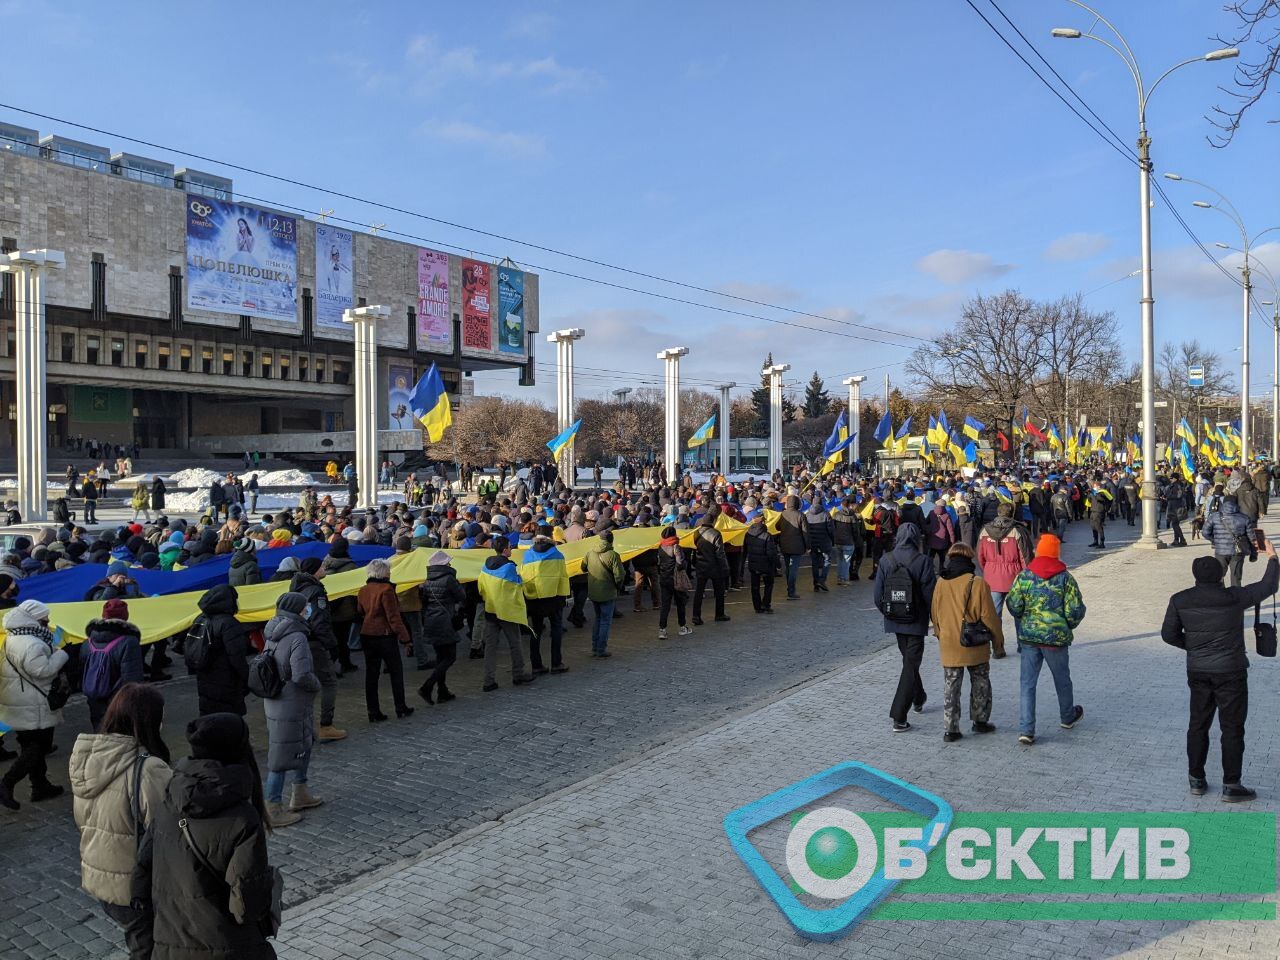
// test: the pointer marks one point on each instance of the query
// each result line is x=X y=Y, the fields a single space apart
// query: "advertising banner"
x=399 y=390
x=435 y=327
x=477 y=333
x=510 y=310
x=241 y=260
x=335 y=275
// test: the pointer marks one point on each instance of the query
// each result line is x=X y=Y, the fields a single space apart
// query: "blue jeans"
x=792 y=563
x=600 y=627
x=842 y=553
x=1058 y=659
x=275 y=780
x=998 y=599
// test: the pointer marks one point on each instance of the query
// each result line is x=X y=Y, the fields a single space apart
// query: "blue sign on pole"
x=1195 y=376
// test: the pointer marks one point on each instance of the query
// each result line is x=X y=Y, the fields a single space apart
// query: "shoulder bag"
x=271 y=922
x=973 y=633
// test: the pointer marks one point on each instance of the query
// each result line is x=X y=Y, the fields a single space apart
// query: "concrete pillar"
x=855 y=416
x=364 y=322
x=564 y=340
x=30 y=269
x=724 y=425
x=671 y=443
x=775 y=373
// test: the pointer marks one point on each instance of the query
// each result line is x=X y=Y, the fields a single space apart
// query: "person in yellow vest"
x=502 y=593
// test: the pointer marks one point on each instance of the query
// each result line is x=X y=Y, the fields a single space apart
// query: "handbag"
x=1264 y=634
x=680 y=579
x=973 y=633
x=59 y=691
x=271 y=922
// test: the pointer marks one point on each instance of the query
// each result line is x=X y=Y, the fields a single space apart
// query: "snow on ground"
x=281 y=478
x=196 y=501
x=200 y=477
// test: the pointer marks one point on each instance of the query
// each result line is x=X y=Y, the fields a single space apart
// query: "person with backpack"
x=674 y=583
x=112 y=657
x=969 y=633
x=1207 y=621
x=442 y=601
x=31 y=698
x=203 y=864
x=118 y=781
x=217 y=649
x=793 y=542
x=283 y=675
x=1046 y=605
x=764 y=562
x=324 y=644
x=381 y=627
x=904 y=584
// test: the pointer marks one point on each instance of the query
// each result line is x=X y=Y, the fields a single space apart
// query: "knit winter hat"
x=219 y=736
x=291 y=603
x=439 y=559
x=115 y=609
x=1206 y=570
x=34 y=609
x=1049 y=546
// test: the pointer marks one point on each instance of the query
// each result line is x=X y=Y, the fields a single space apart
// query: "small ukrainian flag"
x=703 y=433
x=559 y=442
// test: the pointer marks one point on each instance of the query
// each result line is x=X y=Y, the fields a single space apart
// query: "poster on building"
x=399 y=390
x=476 y=329
x=335 y=275
x=510 y=310
x=241 y=260
x=435 y=329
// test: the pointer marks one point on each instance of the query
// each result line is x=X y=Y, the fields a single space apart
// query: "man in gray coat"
x=291 y=728
x=793 y=541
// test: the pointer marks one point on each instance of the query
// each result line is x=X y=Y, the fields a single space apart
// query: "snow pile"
x=199 y=477
x=699 y=477
x=281 y=478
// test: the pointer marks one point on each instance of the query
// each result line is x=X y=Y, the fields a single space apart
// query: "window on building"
x=320 y=371
x=206 y=360
x=162 y=356
x=246 y=363
x=9 y=349
x=302 y=367
x=341 y=372
x=117 y=353
x=266 y=366
x=184 y=359
x=140 y=354
x=284 y=367
x=92 y=345
x=228 y=363
x=68 y=347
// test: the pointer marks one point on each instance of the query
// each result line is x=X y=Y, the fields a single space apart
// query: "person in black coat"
x=764 y=562
x=202 y=864
x=911 y=512
x=1207 y=621
x=710 y=565
x=906 y=555
x=822 y=537
x=157 y=493
x=222 y=685
x=442 y=602
x=322 y=642
x=217 y=498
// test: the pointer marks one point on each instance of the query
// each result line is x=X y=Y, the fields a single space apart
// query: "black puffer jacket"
x=244 y=569
x=709 y=559
x=442 y=601
x=321 y=622
x=822 y=531
x=906 y=552
x=200 y=915
x=1207 y=621
x=222 y=686
x=670 y=558
x=763 y=555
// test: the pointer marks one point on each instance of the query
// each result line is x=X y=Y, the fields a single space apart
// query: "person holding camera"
x=1207 y=621
x=969 y=631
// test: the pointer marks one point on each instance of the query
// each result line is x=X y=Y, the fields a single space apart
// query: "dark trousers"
x=1227 y=694
x=342 y=630
x=761 y=599
x=1234 y=565
x=545 y=610
x=97 y=710
x=578 y=590
x=910 y=690
x=736 y=558
x=1176 y=524
x=91 y=511
x=446 y=654
x=700 y=582
x=33 y=746
x=137 y=926
x=669 y=596
x=1099 y=528
x=380 y=651
x=819 y=563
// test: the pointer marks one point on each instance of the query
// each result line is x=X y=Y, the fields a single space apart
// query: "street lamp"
x=1150 y=535
x=1227 y=209
x=1274 y=304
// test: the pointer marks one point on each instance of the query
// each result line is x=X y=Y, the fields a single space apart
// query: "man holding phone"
x=1207 y=621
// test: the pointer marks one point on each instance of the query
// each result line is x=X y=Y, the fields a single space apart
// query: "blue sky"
x=872 y=162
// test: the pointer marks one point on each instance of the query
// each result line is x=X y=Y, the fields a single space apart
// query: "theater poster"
x=435 y=326
x=335 y=277
x=241 y=260
x=510 y=310
x=477 y=332
x=400 y=386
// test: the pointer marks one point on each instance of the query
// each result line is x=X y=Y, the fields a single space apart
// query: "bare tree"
x=490 y=430
x=1256 y=31
x=1171 y=375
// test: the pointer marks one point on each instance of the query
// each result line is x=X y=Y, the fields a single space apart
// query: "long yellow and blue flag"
x=430 y=404
x=901 y=437
x=703 y=433
x=563 y=439
x=839 y=433
x=884 y=430
x=835 y=456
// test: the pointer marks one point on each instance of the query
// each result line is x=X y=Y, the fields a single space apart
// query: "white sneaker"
x=686 y=631
x=662 y=634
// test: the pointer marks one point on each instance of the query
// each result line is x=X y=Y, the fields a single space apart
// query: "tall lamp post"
x=1150 y=535
x=1274 y=304
x=1228 y=210
x=671 y=434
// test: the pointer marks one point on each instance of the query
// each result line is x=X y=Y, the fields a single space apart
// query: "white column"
x=29 y=271
x=364 y=322
x=855 y=416
x=1246 y=433
x=671 y=445
x=564 y=340
x=775 y=373
x=724 y=426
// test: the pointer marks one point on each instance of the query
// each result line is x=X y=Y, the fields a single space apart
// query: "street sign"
x=1158 y=403
x=1195 y=375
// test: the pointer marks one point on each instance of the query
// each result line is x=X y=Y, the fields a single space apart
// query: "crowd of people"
x=949 y=554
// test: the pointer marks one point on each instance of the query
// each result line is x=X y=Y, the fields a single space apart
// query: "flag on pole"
x=563 y=439
x=1055 y=438
x=1184 y=431
x=901 y=437
x=1029 y=426
x=835 y=456
x=703 y=433
x=1004 y=441
x=970 y=452
x=926 y=451
x=839 y=433
x=884 y=429
x=972 y=428
x=430 y=404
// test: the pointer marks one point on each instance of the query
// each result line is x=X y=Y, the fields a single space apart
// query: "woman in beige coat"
x=962 y=595
x=118 y=779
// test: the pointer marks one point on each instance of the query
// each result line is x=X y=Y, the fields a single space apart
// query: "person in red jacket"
x=1002 y=553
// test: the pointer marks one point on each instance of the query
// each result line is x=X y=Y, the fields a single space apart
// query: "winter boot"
x=302 y=798
x=281 y=816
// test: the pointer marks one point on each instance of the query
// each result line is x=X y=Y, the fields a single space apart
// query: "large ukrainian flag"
x=502 y=591
x=430 y=404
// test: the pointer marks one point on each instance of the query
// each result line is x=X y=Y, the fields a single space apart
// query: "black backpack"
x=900 y=595
x=265 y=679
x=197 y=648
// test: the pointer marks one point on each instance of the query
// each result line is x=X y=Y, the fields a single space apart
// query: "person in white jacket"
x=31 y=662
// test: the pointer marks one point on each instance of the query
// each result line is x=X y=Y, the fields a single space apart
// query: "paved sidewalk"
x=634 y=863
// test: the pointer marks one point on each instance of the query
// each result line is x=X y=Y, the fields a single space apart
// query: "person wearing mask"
x=118 y=781
x=501 y=591
x=291 y=715
x=203 y=864
x=1001 y=553
x=382 y=631
x=324 y=645
x=962 y=597
x=112 y=657
x=1207 y=621
x=546 y=585
x=793 y=541
x=764 y=562
x=710 y=565
x=1046 y=605
x=442 y=600
x=29 y=669
x=822 y=538
x=673 y=581
x=848 y=541
x=605 y=580
x=904 y=586
x=244 y=571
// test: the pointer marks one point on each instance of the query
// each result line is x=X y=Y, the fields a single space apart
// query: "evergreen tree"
x=816 y=399
x=760 y=401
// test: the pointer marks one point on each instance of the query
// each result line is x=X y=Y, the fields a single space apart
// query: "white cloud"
x=961 y=266
x=1076 y=246
x=435 y=66
x=506 y=142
